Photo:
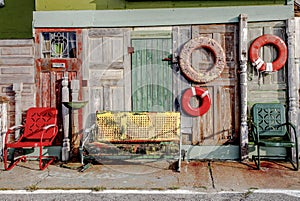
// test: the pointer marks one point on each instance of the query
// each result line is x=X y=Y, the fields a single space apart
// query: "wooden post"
x=3 y=122
x=18 y=88
x=66 y=116
x=293 y=73
x=75 y=85
x=243 y=37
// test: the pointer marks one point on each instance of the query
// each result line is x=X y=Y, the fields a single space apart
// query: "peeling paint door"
x=59 y=52
x=151 y=75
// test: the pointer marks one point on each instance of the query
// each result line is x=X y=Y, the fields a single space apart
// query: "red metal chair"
x=39 y=130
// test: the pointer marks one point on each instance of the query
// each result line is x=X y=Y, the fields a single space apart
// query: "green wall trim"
x=159 y=17
x=47 y=5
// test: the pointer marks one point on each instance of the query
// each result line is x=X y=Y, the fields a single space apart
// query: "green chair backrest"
x=267 y=117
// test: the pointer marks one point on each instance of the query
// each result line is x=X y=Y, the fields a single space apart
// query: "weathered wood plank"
x=127 y=71
x=97 y=75
x=219 y=124
x=105 y=32
x=13 y=78
x=19 y=42
x=118 y=103
x=181 y=34
x=270 y=83
x=16 y=61
x=16 y=51
x=96 y=99
x=16 y=70
x=95 y=50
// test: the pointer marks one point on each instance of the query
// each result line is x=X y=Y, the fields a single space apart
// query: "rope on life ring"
x=268 y=39
x=196 y=75
x=204 y=105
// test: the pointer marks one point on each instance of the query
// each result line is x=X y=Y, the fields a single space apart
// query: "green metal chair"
x=270 y=129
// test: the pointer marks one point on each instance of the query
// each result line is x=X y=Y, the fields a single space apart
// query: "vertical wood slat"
x=3 y=122
x=127 y=72
x=58 y=88
x=46 y=89
x=219 y=123
x=293 y=75
x=243 y=58
x=96 y=99
x=53 y=89
x=117 y=104
x=151 y=77
x=181 y=34
x=96 y=50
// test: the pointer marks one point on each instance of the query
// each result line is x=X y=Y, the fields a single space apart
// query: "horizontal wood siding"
x=17 y=66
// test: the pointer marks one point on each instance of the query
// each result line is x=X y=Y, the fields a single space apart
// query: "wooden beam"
x=243 y=37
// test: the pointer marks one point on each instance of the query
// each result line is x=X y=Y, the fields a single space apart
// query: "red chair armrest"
x=13 y=128
x=45 y=128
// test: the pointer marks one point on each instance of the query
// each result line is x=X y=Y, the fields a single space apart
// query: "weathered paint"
x=293 y=75
x=48 y=79
x=264 y=87
x=159 y=17
x=151 y=76
x=243 y=59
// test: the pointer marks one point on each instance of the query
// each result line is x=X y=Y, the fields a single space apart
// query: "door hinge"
x=130 y=50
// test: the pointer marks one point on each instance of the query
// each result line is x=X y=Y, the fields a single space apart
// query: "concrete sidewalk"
x=204 y=176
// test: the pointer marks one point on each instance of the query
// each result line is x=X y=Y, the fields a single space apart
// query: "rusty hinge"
x=130 y=50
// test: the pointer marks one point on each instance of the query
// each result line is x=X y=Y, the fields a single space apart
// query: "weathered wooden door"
x=59 y=52
x=266 y=87
x=220 y=125
x=152 y=74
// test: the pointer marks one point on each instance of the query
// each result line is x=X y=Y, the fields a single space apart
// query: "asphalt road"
x=119 y=195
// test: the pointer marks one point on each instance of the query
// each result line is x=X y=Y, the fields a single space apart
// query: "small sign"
x=58 y=65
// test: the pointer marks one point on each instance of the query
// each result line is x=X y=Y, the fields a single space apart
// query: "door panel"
x=266 y=87
x=151 y=76
x=59 y=51
x=51 y=94
x=221 y=124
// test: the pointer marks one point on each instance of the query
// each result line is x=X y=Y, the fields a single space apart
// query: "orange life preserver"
x=266 y=39
x=204 y=105
x=196 y=75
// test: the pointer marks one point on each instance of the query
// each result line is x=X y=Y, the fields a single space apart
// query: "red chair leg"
x=41 y=163
x=13 y=163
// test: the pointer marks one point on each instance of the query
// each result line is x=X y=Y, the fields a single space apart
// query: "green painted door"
x=151 y=76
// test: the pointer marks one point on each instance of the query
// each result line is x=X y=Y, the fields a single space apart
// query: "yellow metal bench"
x=136 y=135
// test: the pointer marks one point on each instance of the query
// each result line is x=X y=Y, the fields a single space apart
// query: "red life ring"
x=196 y=75
x=266 y=39
x=205 y=101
